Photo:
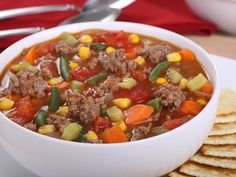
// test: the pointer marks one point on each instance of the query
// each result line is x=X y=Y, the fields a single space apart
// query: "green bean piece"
x=158 y=69
x=82 y=138
x=98 y=46
x=64 y=68
x=156 y=104
x=68 y=38
x=94 y=80
x=40 y=118
x=77 y=86
x=103 y=110
x=54 y=99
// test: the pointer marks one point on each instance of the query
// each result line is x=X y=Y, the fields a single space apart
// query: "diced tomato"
x=39 y=102
x=172 y=124
x=24 y=111
x=51 y=66
x=84 y=73
x=139 y=75
x=45 y=48
x=138 y=94
x=101 y=124
x=131 y=52
x=117 y=39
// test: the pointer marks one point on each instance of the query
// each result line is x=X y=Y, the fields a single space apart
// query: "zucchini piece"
x=128 y=83
x=77 y=86
x=71 y=131
x=197 y=82
x=115 y=114
x=68 y=38
x=174 y=76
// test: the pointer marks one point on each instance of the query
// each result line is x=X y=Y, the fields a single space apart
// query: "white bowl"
x=150 y=157
x=220 y=12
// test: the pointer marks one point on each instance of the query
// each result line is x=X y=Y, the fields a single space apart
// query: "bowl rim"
x=146 y=140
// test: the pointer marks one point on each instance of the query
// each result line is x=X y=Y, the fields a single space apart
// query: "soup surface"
x=100 y=86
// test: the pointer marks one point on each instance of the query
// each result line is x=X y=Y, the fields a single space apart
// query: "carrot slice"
x=138 y=113
x=190 y=107
x=207 y=88
x=63 y=86
x=15 y=97
x=187 y=55
x=31 y=55
x=113 y=135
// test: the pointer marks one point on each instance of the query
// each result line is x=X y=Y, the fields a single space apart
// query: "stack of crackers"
x=217 y=156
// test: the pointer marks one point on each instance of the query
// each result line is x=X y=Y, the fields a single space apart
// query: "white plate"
x=10 y=168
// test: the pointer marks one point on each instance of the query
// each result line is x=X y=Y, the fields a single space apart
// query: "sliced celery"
x=197 y=82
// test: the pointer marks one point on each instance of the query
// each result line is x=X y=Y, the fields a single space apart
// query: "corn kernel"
x=85 y=38
x=120 y=124
x=110 y=49
x=84 y=52
x=174 y=57
x=63 y=110
x=73 y=65
x=55 y=81
x=122 y=102
x=46 y=129
x=202 y=102
x=140 y=61
x=161 y=80
x=91 y=136
x=183 y=83
x=6 y=104
x=134 y=38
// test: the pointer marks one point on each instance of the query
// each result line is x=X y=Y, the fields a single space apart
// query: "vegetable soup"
x=100 y=86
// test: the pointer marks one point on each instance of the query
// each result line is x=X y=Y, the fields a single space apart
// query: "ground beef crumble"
x=48 y=70
x=31 y=126
x=104 y=92
x=26 y=83
x=140 y=132
x=86 y=109
x=116 y=62
x=170 y=96
x=155 y=53
x=57 y=120
x=65 y=48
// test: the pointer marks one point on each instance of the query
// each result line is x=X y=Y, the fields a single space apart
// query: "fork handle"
x=19 y=31
x=5 y=14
